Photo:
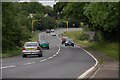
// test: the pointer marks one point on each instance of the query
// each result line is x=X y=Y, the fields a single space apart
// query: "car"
x=44 y=44
x=63 y=39
x=52 y=30
x=48 y=31
x=69 y=42
x=31 y=48
x=53 y=34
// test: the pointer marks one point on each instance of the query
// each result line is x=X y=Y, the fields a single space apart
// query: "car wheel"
x=47 y=47
x=40 y=55
x=24 y=55
x=73 y=45
x=65 y=44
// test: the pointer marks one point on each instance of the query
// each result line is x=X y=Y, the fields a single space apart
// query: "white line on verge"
x=86 y=72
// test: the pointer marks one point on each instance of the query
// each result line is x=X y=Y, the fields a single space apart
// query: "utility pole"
x=67 y=24
x=33 y=24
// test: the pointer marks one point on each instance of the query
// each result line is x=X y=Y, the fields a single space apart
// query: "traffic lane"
x=18 y=60
x=69 y=63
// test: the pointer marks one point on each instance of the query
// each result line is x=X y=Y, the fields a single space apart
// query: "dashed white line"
x=28 y=63
x=8 y=67
x=52 y=55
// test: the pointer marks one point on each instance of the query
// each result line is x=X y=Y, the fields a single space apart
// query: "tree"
x=104 y=17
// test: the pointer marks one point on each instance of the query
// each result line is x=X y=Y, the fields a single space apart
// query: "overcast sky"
x=50 y=3
x=44 y=2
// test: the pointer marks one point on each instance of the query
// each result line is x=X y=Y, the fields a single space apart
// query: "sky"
x=44 y=2
x=50 y=3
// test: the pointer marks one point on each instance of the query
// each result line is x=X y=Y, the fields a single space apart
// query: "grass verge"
x=15 y=52
x=35 y=36
x=10 y=53
x=108 y=48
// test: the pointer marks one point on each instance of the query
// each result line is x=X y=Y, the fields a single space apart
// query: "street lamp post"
x=67 y=24
x=33 y=24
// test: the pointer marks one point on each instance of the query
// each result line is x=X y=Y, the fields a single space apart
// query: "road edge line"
x=90 y=69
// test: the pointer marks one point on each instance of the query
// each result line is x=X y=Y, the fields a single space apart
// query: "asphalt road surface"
x=57 y=62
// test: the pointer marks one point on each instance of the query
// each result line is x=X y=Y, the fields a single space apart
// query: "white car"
x=31 y=48
x=53 y=34
x=52 y=30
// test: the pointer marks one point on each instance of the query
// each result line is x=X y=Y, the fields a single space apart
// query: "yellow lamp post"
x=67 y=24
x=33 y=23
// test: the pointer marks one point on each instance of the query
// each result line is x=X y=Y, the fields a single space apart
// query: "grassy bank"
x=10 y=53
x=109 y=48
x=35 y=36
x=14 y=52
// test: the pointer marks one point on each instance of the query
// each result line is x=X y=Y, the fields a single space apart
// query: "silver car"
x=31 y=48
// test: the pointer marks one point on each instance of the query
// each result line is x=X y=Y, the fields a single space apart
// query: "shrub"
x=83 y=37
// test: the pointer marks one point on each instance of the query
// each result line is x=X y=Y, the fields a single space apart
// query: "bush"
x=83 y=37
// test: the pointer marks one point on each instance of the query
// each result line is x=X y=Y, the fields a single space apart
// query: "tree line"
x=17 y=25
x=101 y=17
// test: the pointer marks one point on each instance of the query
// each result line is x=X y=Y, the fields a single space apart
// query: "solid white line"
x=96 y=72
x=8 y=67
x=86 y=72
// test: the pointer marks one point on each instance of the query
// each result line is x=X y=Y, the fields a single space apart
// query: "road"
x=58 y=62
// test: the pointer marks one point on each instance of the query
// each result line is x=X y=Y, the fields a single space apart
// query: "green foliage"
x=104 y=17
x=109 y=48
x=83 y=37
x=75 y=11
x=17 y=27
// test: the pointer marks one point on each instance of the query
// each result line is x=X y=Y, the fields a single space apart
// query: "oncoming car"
x=31 y=48
x=48 y=31
x=44 y=44
x=52 y=30
x=69 y=42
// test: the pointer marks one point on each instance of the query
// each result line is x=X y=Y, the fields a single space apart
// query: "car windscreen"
x=42 y=42
x=30 y=44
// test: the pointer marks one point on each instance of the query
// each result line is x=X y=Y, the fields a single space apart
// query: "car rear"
x=31 y=48
x=44 y=45
x=69 y=43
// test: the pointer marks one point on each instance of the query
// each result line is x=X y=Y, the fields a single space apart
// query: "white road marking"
x=86 y=72
x=96 y=72
x=35 y=62
x=28 y=63
x=8 y=67
x=52 y=55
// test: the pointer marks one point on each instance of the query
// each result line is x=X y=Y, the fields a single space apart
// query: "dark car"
x=48 y=31
x=69 y=42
